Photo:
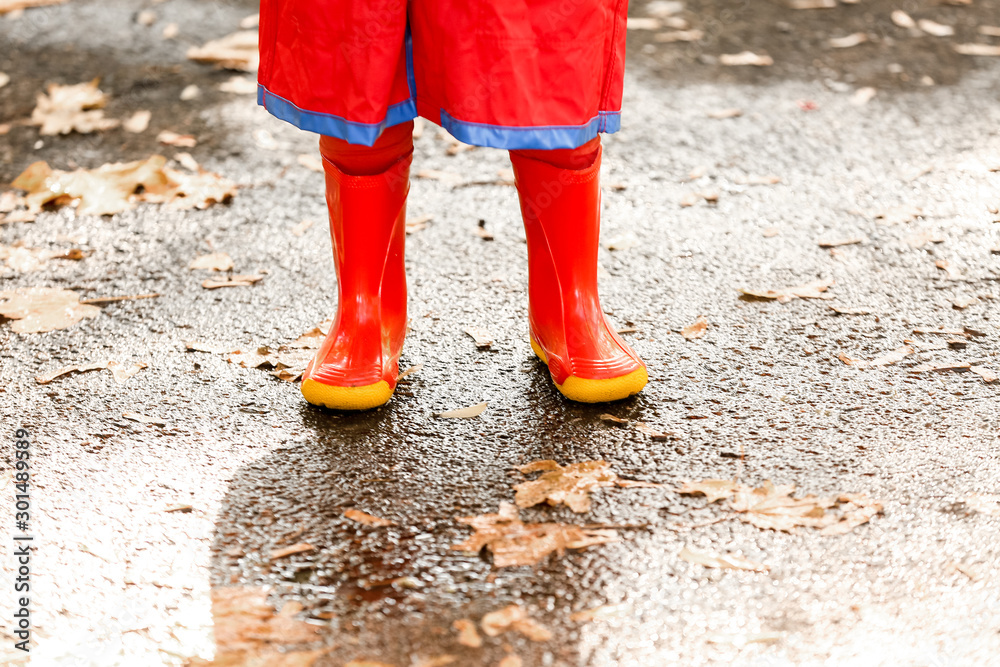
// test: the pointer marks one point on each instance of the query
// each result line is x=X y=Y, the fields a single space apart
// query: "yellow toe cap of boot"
x=346 y=398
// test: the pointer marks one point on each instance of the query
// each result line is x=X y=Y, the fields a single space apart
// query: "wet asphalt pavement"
x=762 y=396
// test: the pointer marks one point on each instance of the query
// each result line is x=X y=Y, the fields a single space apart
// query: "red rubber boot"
x=357 y=364
x=561 y=209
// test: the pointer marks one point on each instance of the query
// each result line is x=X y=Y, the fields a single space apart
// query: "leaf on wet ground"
x=720 y=561
x=722 y=114
x=367 y=663
x=300 y=228
x=215 y=261
x=46 y=378
x=841 y=310
x=712 y=489
x=848 y=41
x=418 y=224
x=942 y=367
x=510 y=660
x=695 y=330
x=74 y=108
x=467 y=634
x=899 y=214
x=437 y=661
x=409 y=371
x=249 y=632
x=977 y=49
x=40 y=309
x=21 y=259
x=310 y=161
x=988 y=375
x=836 y=243
x=893 y=357
x=233 y=280
x=514 y=542
x=984 y=504
x=745 y=58
x=772 y=507
x=742 y=639
x=113 y=188
x=568 y=485
x=121 y=372
x=605 y=611
x=7 y=6
x=239 y=85
x=171 y=138
x=366 y=519
x=144 y=419
x=951 y=271
x=237 y=51
x=285 y=552
x=286 y=363
x=463 y=413
x=138 y=122
x=514 y=618
x=814 y=290
x=481 y=336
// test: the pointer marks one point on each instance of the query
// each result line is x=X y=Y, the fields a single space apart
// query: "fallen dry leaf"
x=987 y=374
x=745 y=58
x=942 y=367
x=724 y=562
x=237 y=51
x=679 y=36
x=418 y=224
x=284 y=552
x=848 y=41
x=65 y=109
x=481 y=336
x=7 y=6
x=249 y=632
x=46 y=378
x=113 y=188
x=722 y=114
x=899 y=214
x=841 y=310
x=643 y=23
x=712 y=489
x=215 y=261
x=813 y=290
x=300 y=228
x=514 y=617
x=863 y=96
x=886 y=359
x=902 y=19
x=137 y=122
x=598 y=613
x=40 y=309
x=409 y=371
x=463 y=413
x=510 y=660
x=311 y=162
x=568 y=485
x=171 y=138
x=836 y=243
x=514 y=542
x=239 y=85
x=23 y=260
x=467 y=635
x=951 y=272
x=143 y=419
x=773 y=508
x=984 y=504
x=935 y=29
x=234 y=280
x=121 y=372
x=696 y=330
x=366 y=519
x=437 y=661
x=989 y=30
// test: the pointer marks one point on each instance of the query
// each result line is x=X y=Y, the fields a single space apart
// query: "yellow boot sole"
x=346 y=398
x=584 y=390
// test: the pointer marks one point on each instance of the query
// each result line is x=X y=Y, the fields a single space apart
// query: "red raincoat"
x=511 y=74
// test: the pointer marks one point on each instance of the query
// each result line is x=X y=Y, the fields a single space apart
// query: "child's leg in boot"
x=366 y=187
x=559 y=191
